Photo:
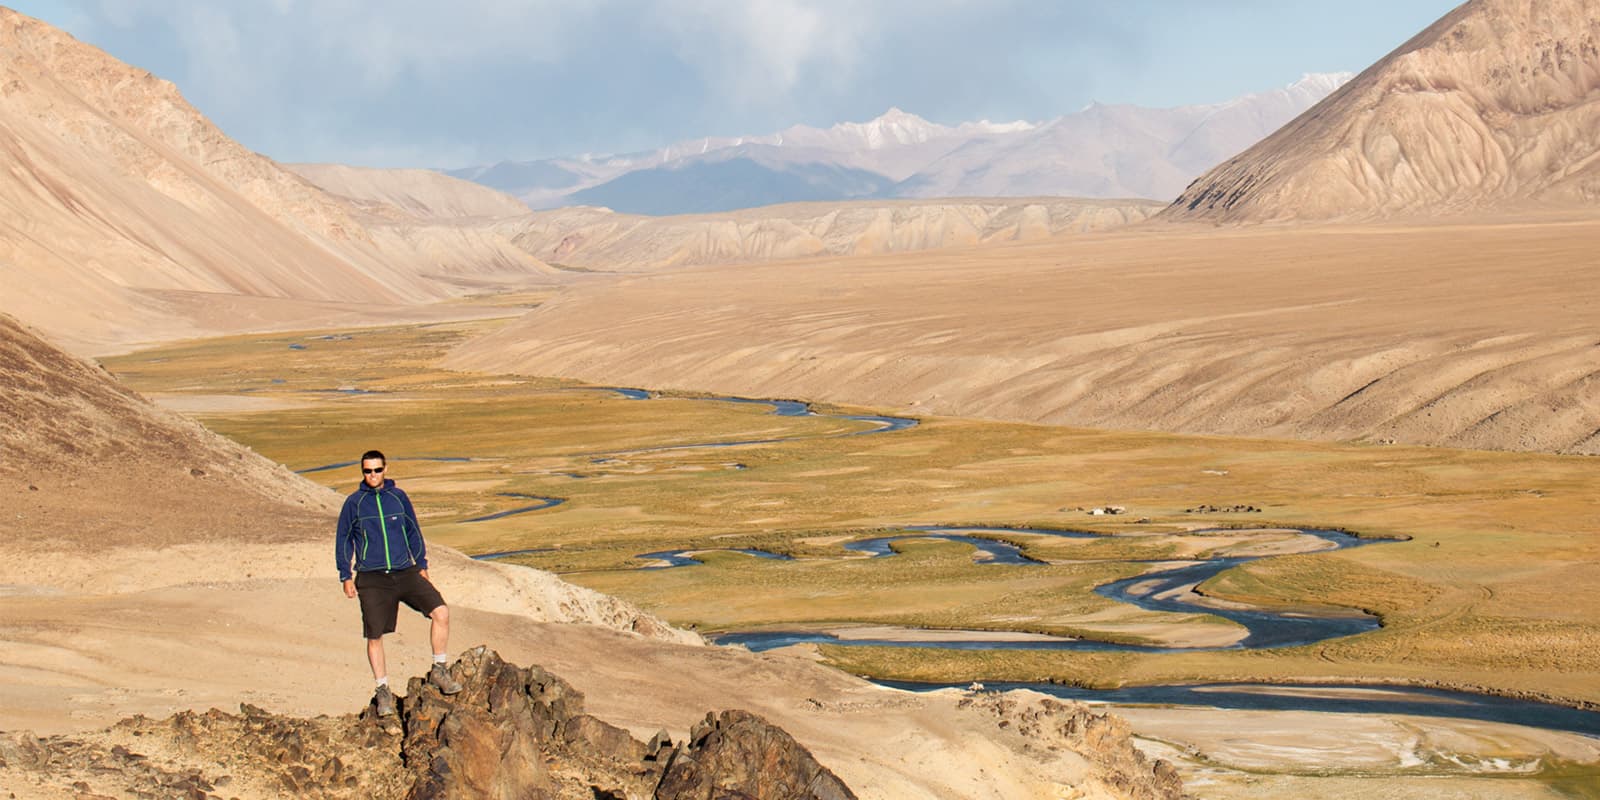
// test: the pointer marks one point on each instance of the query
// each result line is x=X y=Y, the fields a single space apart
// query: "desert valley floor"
x=607 y=485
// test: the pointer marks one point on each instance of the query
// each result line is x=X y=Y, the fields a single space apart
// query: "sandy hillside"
x=149 y=566
x=1495 y=105
x=420 y=192
x=120 y=193
x=599 y=239
x=1475 y=335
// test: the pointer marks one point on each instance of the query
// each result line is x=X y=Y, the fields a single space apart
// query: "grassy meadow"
x=1496 y=585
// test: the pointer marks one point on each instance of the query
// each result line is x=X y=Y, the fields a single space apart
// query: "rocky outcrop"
x=515 y=733
x=1104 y=740
x=512 y=732
x=738 y=754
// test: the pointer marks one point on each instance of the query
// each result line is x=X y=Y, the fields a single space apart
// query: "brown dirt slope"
x=1495 y=105
x=1478 y=336
x=118 y=194
x=81 y=457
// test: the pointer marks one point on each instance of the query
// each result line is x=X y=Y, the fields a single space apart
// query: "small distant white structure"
x=1100 y=512
x=975 y=687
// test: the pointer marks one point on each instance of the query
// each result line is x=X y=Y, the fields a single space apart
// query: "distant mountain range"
x=1103 y=151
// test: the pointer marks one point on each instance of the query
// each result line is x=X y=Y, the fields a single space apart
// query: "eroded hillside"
x=1496 y=105
x=78 y=449
x=1475 y=336
x=130 y=217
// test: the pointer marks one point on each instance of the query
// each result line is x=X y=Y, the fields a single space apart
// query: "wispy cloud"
x=359 y=80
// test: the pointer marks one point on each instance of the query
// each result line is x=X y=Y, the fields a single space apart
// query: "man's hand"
x=424 y=574
x=350 y=588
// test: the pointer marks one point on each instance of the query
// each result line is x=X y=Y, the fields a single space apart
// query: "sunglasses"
x=366 y=471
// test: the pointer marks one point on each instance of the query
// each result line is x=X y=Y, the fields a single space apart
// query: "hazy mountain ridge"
x=601 y=240
x=1115 y=150
x=422 y=193
x=748 y=176
x=1496 y=105
x=1100 y=152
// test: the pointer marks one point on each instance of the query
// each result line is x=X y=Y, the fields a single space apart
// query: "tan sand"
x=1228 y=755
x=92 y=639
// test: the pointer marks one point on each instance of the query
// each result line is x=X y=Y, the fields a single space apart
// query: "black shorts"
x=381 y=594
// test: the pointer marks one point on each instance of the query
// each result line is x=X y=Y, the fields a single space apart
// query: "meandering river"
x=1160 y=590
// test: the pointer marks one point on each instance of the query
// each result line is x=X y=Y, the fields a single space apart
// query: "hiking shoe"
x=384 y=700
x=440 y=677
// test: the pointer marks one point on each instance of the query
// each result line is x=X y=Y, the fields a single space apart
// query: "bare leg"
x=439 y=630
x=380 y=670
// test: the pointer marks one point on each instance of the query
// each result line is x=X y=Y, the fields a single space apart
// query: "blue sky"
x=405 y=83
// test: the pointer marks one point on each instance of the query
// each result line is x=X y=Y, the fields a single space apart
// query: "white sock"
x=383 y=681
x=441 y=658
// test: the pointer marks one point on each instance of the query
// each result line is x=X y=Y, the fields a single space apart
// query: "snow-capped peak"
x=985 y=126
x=1320 y=83
x=892 y=127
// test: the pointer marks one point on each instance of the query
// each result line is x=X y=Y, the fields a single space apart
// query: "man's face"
x=372 y=472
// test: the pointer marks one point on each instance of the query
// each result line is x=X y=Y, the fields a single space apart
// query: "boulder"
x=739 y=755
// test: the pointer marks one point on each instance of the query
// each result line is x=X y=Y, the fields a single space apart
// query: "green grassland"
x=1497 y=586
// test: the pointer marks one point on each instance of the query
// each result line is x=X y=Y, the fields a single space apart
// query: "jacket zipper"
x=383 y=525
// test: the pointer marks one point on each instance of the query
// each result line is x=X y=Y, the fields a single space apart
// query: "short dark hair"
x=378 y=454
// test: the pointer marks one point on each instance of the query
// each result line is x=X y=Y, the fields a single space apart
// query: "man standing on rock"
x=382 y=559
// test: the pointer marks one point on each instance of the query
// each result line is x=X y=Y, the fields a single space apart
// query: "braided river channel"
x=1166 y=589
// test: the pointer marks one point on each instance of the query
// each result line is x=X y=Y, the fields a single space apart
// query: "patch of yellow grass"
x=1497 y=588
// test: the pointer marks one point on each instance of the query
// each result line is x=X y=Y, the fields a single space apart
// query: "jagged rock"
x=486 y=741
x=498 y=736
x=604 y=738
x=739 y=755
x=23 y=750
x=658 y=743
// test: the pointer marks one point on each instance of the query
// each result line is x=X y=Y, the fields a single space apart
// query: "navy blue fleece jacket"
x=378 y=532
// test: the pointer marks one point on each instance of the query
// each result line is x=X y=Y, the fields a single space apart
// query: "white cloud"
x=327 y=79
x=382 y=41
x=427 y=39
x=761 y=50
